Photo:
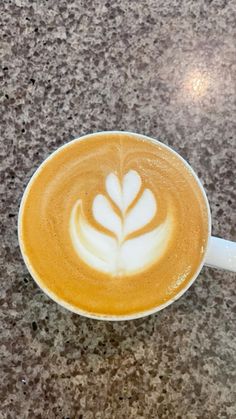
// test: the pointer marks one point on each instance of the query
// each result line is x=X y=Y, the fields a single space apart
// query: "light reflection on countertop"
x=197 y=83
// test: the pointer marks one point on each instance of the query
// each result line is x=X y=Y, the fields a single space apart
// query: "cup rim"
x=70 y=307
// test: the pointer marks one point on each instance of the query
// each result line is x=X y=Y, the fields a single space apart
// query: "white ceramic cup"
x=219 y=253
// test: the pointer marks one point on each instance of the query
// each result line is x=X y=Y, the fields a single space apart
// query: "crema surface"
x=113 y=224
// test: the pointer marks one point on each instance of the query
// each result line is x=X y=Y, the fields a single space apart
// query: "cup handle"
x=221 y=254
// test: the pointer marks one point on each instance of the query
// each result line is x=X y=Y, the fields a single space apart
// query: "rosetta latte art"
x=123 y=249
x=114 y=224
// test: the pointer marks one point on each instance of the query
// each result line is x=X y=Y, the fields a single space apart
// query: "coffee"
x=113 y=224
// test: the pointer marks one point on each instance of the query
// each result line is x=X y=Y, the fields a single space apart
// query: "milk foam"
x=125 y=210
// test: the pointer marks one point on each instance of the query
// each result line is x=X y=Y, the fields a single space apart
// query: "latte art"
x=126 y=209
x=113 y=224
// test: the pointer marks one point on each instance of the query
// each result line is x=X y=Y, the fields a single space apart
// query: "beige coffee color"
x=77 y=173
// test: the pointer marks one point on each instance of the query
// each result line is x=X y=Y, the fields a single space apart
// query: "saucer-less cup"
x=219 y=253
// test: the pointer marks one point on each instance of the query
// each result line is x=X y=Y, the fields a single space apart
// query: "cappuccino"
x=113 y=224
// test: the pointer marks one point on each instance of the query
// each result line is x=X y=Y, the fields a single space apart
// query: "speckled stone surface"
x=163 y=68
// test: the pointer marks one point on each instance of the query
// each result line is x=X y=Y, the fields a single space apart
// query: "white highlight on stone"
x=117 y=254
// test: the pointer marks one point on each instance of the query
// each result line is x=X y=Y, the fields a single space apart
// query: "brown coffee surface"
x=78 y=173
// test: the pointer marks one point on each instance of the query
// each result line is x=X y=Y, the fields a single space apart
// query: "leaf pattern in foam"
x=141 y=251
x=113 y=188
x=120 y=255
x=95 y=248
x=131 y=185
x=105 y=215
x=123 y=195
x=141 y=214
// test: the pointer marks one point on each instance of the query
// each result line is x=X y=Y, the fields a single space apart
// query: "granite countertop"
x=163 y=68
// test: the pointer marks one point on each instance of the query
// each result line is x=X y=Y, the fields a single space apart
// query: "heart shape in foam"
x=117 y=254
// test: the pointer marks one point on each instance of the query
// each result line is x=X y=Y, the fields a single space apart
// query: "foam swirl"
x=115 y=252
